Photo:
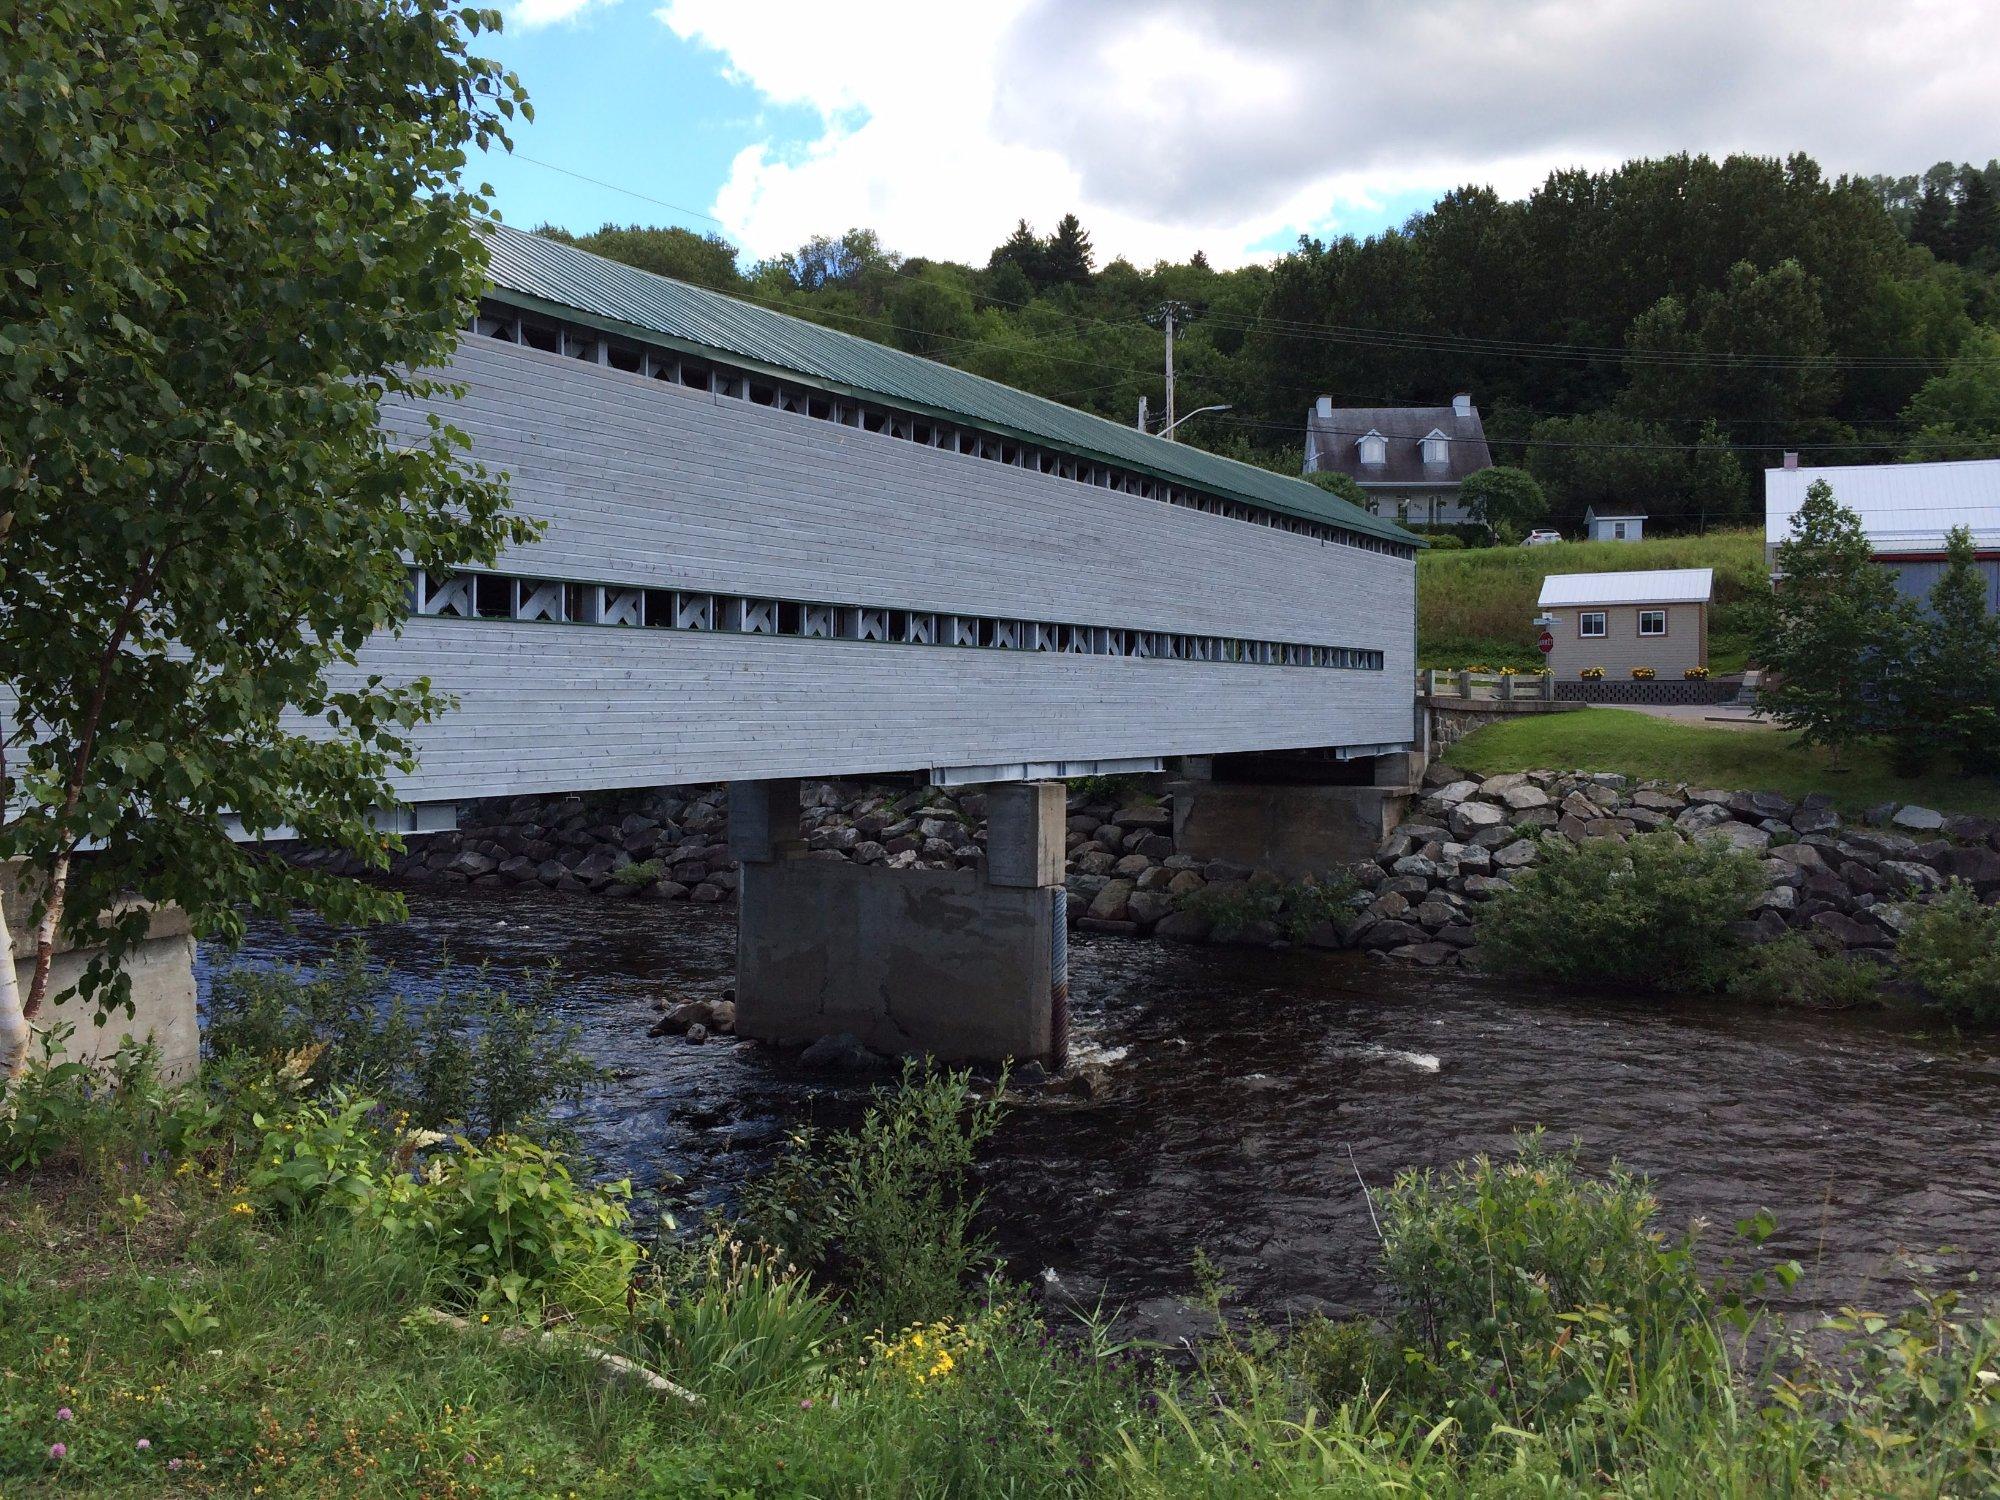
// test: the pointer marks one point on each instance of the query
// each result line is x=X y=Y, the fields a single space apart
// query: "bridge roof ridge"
x=564 y=278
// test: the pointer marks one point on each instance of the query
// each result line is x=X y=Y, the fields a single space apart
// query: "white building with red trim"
x=1906 y=511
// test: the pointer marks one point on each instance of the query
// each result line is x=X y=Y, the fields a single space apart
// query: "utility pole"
x=1142 y=413
x=1169 y=315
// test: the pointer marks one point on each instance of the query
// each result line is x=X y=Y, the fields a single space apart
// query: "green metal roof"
x=560 y=279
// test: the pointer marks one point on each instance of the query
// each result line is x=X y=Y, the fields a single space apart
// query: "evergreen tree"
x=1832 y=633
x=1069 y=256
x=1024 y=251
x=1930 y=222
x=1975 y=228
x=1956 y=699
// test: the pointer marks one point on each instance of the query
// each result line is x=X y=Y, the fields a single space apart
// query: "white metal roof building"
x=1905 y=509
x=1641 y=586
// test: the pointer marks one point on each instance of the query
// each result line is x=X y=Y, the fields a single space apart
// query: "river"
x=1250 y=1088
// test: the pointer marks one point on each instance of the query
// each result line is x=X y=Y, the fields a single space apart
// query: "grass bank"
x=1473 y=607
x=232 y=1290
x=1705 y=755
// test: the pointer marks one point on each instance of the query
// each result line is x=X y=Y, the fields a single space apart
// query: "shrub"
x=731 y=1322
x=1952 y=948
x=473 y=1058
x=1294 y=909
x=1655 y=912
x=642 y=872
x=506 y=1221
x=886 y=1209
x=1790 y=971
x=1527 y=1287
x=105 y=1116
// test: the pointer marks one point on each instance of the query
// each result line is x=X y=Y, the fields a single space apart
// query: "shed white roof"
x=1903 y=507
x=1644 y=586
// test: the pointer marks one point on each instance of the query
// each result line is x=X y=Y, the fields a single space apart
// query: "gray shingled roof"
x=544 y=274
x=1338 y=439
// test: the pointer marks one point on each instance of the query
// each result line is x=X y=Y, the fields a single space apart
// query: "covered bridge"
x=776 y=550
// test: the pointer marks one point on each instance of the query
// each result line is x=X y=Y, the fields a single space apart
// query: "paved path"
x=1718 y=715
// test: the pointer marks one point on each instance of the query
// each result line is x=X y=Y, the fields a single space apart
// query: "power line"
x=679 y=208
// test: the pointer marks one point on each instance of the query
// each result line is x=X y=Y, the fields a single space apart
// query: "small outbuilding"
x=1614 y=526
x=1618 y=621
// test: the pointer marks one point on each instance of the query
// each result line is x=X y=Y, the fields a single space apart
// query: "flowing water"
x=1252 y=1090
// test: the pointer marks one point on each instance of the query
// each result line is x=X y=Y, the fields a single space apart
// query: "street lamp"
x=1195 y=413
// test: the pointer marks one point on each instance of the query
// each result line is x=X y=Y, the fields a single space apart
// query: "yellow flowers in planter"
x=1592 y=674
x=1508 y=672
x=1643 y=674
x=1695 y=674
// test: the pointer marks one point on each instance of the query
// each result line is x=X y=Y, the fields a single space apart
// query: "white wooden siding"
x=575 y=707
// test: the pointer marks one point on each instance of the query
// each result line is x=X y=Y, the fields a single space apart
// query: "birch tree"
x=228 y=234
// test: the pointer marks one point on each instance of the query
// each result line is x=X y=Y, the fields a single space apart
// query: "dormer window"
x=1374 y=449
x=1437 y=448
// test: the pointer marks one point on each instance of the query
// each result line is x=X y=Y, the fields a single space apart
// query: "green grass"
x=1473 y=607
x=1706 y=755
x=176 y=1345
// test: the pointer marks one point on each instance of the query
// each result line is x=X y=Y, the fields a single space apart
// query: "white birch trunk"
x=13 y=1020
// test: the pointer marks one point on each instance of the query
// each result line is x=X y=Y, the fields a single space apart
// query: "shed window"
x=1590 y=623
x=1652 y=622
x=1617 y=531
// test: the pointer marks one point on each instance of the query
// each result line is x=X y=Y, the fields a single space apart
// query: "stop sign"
x=1546 y=643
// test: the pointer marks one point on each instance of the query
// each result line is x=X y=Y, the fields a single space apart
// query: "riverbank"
x=189 y=1312
x=1643 y=747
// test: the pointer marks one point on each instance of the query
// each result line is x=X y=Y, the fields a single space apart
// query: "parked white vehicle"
x=1542 y=538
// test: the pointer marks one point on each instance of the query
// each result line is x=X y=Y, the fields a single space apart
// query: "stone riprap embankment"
x=1847 y=883
x=1466 y=839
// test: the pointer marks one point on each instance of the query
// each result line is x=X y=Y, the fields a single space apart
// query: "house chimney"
x=1791 y=460
x=1324 y=406
x=1461 y=404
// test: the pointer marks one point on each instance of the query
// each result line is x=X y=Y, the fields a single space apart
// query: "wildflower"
x=144 y=1445
x=58 y=1452
x=806 y=1404
x=173 y=1463
x=64 y=1414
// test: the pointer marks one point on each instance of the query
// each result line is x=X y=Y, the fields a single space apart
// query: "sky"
x=1228 y=126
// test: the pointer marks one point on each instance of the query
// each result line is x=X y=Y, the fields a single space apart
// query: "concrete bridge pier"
x=962 y=965
x=1292 y=818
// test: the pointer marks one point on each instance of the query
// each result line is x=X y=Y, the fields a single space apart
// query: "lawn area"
x=1473 y=607
x=1616 y=739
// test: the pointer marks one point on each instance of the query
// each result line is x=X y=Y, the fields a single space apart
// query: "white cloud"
x=1220 y=123
x=528 y=15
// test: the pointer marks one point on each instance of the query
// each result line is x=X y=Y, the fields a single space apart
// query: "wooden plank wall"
x=645 y=483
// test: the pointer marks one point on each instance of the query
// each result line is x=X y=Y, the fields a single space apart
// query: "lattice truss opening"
x=500 y=596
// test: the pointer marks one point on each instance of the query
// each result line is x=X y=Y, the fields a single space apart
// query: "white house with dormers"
x=1408 y=460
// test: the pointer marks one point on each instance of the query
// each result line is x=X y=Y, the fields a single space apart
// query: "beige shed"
x=1619 y=621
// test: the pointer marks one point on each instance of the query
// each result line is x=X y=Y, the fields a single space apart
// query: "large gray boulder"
x=1468 y=818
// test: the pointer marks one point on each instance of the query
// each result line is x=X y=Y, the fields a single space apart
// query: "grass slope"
x=1473 y=607
x=1616 y=739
